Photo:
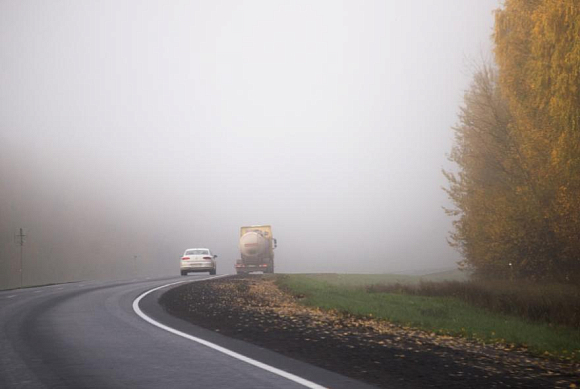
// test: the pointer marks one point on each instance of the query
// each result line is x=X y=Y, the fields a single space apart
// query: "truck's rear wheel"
x=183 y=273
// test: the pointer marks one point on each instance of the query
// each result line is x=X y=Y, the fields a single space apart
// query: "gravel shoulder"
x=251 y=308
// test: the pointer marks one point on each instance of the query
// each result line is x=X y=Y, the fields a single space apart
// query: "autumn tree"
x=518 y=148
x=538 y=53
x=486 y=188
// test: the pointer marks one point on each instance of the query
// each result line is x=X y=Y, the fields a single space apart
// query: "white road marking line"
x=37 y=291
x=9 y=297
x=59 y=288
x=271 y=369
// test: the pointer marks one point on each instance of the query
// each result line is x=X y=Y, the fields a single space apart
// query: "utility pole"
x=21 y=238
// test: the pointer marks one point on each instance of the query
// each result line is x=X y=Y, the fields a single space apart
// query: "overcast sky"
x=147 y=127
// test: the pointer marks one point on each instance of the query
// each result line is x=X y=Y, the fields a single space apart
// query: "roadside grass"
x=554 y=304
x=363 y=280
x=38 y=285
x=451 y=275
x=359 y=280
x=439 y=314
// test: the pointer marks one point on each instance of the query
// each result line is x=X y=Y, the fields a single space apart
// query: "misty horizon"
x=130 y=132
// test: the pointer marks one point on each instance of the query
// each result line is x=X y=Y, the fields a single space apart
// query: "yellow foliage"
x=518 y=148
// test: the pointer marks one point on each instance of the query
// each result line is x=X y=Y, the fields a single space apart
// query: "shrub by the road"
x=556 y=304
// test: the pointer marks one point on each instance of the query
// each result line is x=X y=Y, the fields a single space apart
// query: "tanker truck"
x=257 y=250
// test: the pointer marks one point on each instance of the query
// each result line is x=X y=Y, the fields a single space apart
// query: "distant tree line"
x=517 y=145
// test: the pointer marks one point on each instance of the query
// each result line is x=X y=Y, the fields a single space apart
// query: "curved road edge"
x=147 y=307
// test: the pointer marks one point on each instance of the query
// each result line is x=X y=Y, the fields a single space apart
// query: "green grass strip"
x=442 y=315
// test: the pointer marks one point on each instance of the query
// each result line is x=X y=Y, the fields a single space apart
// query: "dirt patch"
x=253 y=309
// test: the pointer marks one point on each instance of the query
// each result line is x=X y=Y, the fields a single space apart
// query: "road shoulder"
x=151 y=307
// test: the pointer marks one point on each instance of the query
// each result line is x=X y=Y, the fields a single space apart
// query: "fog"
x=130 y=131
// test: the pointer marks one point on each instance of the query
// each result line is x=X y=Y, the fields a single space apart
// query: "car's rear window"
x=197 y=252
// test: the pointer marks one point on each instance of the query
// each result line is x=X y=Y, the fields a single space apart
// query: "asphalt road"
x=88 y=335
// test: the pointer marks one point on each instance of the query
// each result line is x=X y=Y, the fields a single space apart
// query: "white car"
x=198 y=260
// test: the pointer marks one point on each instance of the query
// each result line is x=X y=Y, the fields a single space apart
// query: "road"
x=88 y=335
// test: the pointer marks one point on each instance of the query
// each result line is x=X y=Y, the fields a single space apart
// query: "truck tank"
x=253 y=245
x=256 y=246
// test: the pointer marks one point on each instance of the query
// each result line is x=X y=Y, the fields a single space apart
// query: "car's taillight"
x=184 y=258
x=206 y=257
